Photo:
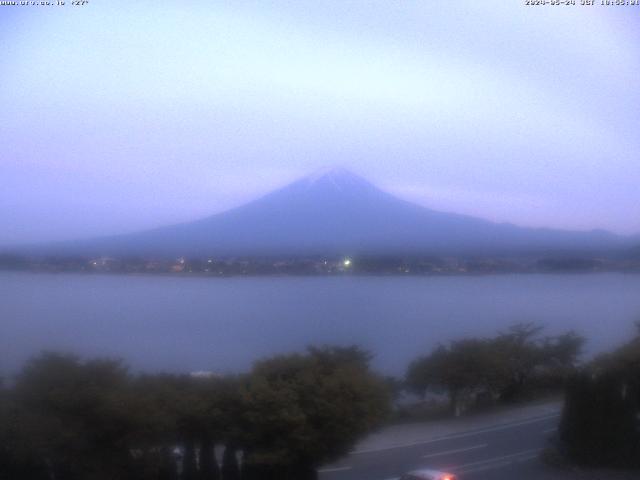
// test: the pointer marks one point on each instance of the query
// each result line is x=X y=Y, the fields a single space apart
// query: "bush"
x=599 y=422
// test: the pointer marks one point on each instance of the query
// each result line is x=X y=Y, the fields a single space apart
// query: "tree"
x=70 y=419
x=464 y=367
x=185 y=411
x=230 y=469
x=599 y=423
x=157 y=407
x=17 y=456
x=504 y=366
x=599 y=426
x=304 y=410
x=75 y=416
x=527 y=359
x=624 y=362
x=560 y=359
x=519 y=354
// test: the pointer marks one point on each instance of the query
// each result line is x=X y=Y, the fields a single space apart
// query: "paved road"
x=499 y=451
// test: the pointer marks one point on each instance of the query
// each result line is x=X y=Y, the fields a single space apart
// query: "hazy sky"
x=123 y=115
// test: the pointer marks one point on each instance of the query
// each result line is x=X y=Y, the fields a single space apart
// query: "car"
x=426 y=474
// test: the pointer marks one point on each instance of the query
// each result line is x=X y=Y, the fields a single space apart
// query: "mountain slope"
x=337 y=212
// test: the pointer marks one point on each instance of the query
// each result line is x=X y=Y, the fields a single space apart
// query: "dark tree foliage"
x=600 y=423
x=520 y=354
x=506 y=367
x=17 y=459
x=461 y=368
x=75 y=416
x=308 y=409
x=68 y=419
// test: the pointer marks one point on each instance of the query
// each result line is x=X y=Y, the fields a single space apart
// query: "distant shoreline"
x=323 y=266
x=319 y=275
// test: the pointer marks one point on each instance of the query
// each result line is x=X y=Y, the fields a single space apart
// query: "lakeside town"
x=321 y=265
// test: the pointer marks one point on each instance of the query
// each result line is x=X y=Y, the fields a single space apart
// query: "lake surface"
x=188 y=324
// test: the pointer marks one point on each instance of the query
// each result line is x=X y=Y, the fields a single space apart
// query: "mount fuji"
x=338 y=212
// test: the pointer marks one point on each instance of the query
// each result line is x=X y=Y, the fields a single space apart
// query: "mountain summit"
x=337 y=212
x=338 y=178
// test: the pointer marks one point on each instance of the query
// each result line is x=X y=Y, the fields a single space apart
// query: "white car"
x=428 y=475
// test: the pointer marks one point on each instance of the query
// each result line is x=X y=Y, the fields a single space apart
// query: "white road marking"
x=457 y=435
x=549 y=430
x=496 y=462
x=506 y=463
x=336 y=469
x=457 y=450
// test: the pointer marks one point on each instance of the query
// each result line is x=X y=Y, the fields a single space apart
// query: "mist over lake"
x=187 y=324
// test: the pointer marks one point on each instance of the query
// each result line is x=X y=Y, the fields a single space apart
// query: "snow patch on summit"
x=337 y=177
